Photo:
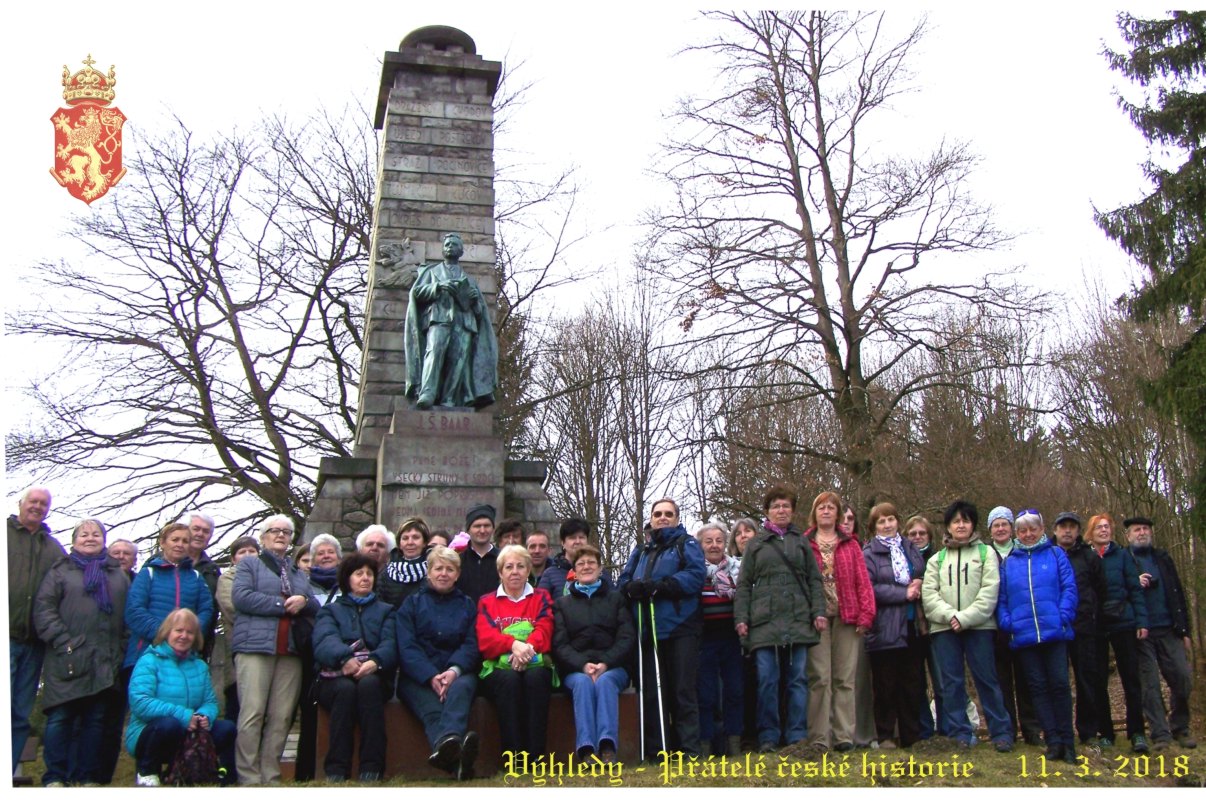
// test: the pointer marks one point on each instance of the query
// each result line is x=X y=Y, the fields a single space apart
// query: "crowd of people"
x=756 y=637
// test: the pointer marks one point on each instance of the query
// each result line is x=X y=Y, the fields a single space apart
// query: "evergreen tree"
x=1166 y=231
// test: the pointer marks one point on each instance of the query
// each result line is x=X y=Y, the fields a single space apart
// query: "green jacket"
x=964 y=583
x=770 y=598
x=30 y=557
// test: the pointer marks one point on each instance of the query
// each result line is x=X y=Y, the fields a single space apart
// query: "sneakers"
x=370 y=776
x=464 y=770
x=1186 y=741
x=447 y=754
x=1139 y=745
x=54 y=784
x=150 y=780
x=1105 y=742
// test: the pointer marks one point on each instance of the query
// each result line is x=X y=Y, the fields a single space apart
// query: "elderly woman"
x=514 y=635
x=351 y=644
x=269 y=596
x=437 y=652
x=719 y=648
x=894 y=644
x=779 y=611
x=171 y=695
x=920 y=534
x=326 y=552
x=1036 y=608
x=407 y=565
x=850 y=610
x=1123 y=623
x=165 y=583
x=1009 y=669
x=78 y=614
x=593 y=642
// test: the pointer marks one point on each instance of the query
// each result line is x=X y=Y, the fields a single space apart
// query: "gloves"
x=639 y=590
x=667 y=587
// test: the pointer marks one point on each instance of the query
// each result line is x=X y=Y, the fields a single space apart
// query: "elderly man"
x=200 y=533
x=124 y=552
x=479 y=570
x=1166 y=649
x=32 y=551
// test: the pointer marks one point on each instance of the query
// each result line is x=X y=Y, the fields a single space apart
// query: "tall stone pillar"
x=435 y=175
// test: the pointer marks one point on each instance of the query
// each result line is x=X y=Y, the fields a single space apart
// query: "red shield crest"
x=87 y=135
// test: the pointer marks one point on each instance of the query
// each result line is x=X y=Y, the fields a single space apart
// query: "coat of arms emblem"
x=87 y=134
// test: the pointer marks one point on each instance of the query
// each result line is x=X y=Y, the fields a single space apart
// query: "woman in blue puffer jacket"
x=171 y=695
x=1036 y=607
x=166 y=582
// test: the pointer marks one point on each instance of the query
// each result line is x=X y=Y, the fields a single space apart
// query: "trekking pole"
x=641 y=679
x=657 y=675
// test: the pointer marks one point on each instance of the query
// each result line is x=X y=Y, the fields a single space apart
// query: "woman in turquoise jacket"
x=171 y=695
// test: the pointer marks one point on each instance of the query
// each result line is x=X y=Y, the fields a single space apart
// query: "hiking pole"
x=641 y=679
x=657 y=675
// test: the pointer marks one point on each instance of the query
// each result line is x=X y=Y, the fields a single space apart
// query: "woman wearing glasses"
x=269 y=595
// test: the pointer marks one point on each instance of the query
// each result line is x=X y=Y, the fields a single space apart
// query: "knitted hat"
x=1000 y=512
x=480 y=512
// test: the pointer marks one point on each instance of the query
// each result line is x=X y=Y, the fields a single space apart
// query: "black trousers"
x=116 y=708
x=307 y=729
x=1082 y=654
x=898 y=686
x=679 y=665
x=351 y=704
x=1015 y=691
x=521 y=701
x=1126 y=659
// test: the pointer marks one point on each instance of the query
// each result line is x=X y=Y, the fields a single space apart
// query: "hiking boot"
x=1186 y=741
x=1003 y=746
x=150 y=780
x=1139 y=745
x=607 y=751
x=469 y=746
x=1070 y=755
x=1160 y=744
x=844 y=746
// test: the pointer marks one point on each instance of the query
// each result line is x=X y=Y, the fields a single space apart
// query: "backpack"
x=196 y=762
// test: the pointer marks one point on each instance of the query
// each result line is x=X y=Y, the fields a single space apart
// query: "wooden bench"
x=407 y=749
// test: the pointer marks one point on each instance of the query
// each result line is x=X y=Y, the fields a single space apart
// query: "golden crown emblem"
x=89 y=85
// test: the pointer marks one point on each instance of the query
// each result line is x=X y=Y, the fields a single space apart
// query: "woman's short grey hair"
x=271 y=522
x=390 y=541
x=513 y=550
x=445 y=555
x=747 y=522
x=326 y=538
x=713 y=525
x=1029 y=521
x=104 y=531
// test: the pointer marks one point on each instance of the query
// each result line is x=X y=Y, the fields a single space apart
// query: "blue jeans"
x=792 y=663
x=439 y=719
x=161 y=739
x=720 y=675
x=71 y=746
x=975 y=647
x=597 y=706
x=24 y=670
x=1045 y=667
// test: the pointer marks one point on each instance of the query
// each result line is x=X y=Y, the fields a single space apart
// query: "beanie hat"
x=479 y=512
x=1000 y=512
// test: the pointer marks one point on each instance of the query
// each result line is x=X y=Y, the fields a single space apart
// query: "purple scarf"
x=96 y=583
x=766 y=523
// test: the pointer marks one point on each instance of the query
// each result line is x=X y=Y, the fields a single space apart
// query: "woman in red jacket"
x=515 y=637
x=850 y=607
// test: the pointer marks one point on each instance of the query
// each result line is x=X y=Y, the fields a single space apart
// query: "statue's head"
x=454 y=247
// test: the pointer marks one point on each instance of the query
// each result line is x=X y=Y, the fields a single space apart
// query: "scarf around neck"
x=96 y=583
x=900 y=562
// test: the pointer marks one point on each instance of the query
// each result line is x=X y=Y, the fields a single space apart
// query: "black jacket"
x=1090 y=587
x=1174 y=593
x=592 y=629
x=479 y=574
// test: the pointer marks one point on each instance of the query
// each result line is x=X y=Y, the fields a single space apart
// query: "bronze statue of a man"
x=451 y=352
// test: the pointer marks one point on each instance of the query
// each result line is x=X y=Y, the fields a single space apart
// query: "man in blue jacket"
x=1166 y=649
x=664 y=578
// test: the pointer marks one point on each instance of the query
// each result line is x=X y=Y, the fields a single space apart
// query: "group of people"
x=766 y=631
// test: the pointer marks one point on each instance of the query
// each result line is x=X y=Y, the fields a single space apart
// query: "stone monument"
x=430 y=449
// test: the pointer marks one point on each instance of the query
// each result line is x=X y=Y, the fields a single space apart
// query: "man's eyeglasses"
x=286 y=531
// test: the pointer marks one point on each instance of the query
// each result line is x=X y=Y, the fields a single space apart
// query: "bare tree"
x=797 y=241
x=213 y=337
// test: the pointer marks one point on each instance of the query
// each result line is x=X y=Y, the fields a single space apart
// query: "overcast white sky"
x=1032 y=95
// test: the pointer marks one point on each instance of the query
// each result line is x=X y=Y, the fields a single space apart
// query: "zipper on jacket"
x=1030 y=584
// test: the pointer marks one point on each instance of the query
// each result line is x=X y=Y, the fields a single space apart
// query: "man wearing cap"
x=1091 y=590
x=1166 y=649
x=479 y=570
